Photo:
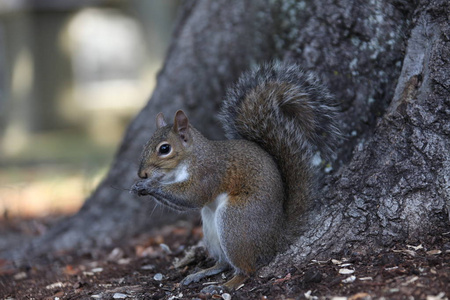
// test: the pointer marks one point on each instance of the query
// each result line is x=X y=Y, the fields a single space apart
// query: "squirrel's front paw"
x=141 y=188
x=138 y=188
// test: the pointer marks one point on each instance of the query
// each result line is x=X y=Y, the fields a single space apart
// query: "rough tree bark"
x=386 y=61
x=396 y=187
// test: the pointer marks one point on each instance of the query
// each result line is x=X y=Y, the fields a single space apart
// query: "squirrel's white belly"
x=212 y=224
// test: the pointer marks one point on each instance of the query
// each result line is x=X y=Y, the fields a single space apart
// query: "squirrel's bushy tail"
x=290 y=115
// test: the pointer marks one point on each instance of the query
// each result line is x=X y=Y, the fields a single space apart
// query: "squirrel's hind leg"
x=196 y=277
x=235 y=282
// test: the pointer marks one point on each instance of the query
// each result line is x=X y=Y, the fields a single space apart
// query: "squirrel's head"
x=167 y=149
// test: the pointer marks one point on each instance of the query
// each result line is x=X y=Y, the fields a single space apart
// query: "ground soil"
x=143 y=269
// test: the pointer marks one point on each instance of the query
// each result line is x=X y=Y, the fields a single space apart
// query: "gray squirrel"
x=253 y=188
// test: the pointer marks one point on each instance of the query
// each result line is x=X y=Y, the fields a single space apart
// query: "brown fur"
x=253 y=188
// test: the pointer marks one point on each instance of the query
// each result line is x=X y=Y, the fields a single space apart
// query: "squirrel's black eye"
x=164 y=149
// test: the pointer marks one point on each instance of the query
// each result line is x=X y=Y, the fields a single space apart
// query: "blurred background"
x=73 y=74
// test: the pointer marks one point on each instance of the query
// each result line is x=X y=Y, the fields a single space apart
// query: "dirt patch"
x=144 y=270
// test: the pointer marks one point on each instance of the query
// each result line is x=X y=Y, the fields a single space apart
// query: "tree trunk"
x=392 y=172
x=396 y=187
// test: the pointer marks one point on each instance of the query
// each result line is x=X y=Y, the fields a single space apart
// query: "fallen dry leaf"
x=358 y=296
x=70 y=270
x=287 y=277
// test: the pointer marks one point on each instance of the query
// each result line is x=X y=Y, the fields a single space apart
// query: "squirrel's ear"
x=181 y=125
x=160 y=122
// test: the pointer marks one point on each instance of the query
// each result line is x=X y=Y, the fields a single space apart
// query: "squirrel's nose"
x=143 y=174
